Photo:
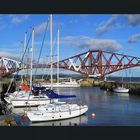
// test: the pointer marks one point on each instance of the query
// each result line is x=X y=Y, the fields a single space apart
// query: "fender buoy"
x=93 y=115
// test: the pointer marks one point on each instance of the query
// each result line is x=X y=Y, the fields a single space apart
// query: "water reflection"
x=110 y=108
x=81 y=120
x=122 y=94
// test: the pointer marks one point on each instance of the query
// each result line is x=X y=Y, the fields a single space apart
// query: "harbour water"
x=111 y=109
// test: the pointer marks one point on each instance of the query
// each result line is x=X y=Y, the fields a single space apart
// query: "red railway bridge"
x=91 y=63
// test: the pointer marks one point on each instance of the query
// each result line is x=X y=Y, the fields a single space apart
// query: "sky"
x=78 y=33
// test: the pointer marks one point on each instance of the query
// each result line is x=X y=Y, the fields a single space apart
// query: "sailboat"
x=68 y=82
x=55 y=110
x=121 y=89
x=24 y=97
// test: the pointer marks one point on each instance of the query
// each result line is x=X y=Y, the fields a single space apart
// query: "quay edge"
x=110 y=85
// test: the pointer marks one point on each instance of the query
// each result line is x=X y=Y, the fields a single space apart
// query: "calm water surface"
x=111 y=109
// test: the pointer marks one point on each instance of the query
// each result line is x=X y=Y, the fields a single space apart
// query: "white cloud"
x=133 y=19
x=123 y=21
x=83 y=42
x=134 y=38
x=16 y=19
x=107 y=25
x=40 y=28
x=71 y=38
x=8 y=54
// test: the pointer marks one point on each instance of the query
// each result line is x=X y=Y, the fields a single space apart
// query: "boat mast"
x=129 y=78
x=122 y=77
x=122 y=80
x=32 y=48
x=21 y=51
x=21 y=54
x=51 y=57
x=58 y=59
x=24 y=60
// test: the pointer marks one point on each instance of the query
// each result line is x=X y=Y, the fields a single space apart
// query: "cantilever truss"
x=8 y=66
x=92 y=63
x=98 y=63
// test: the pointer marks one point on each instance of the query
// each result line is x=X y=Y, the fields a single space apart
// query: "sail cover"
x=51 y=94
x=38 y=88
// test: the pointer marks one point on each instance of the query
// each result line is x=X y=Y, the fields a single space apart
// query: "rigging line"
x=54 y=42
x=24 y=52
x=32 y=48
x=28 y=59
x=49 y=56
x=52 y=55
x=20 y=64
x=42 y=45
x=48 y=63
x=11 y=82
x=26 y=48
x=45 y=70
x=54 y=47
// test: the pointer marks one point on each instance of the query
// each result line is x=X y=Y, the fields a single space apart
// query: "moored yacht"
x=25 y=98
x=68 y=83
x=56 y=111
x=121 y=90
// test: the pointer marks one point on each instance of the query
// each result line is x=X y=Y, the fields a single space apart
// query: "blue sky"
x=78 y=33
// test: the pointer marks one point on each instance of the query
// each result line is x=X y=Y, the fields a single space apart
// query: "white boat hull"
x=19 y=110
x=20 y=103
x=71 y=83
x=23 y=102
x=39 y=116
x=124 y=90
x=69 y=122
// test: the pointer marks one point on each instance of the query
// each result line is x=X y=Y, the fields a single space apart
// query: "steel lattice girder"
x=92 y=62
x=98 y=63
x=8 y=66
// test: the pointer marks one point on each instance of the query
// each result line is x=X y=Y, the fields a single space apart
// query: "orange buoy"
x=93 y=115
